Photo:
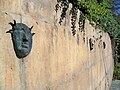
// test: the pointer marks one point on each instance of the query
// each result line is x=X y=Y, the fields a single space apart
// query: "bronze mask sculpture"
x=21 y=38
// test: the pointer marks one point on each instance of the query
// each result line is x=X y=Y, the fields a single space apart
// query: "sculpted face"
x=22 y=39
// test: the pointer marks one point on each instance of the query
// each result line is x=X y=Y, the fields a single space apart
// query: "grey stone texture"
x=115 y=85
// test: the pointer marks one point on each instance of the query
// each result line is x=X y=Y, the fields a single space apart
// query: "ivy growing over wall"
x=97 y=11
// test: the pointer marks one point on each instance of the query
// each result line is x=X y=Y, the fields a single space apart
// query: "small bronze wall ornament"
x=22 y=38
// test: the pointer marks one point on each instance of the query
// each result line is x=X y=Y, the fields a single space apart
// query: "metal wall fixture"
x=21 y=38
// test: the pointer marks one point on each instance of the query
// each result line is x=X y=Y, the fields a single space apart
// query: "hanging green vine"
x=74 y=12
x=64 y=5
x=81 y=21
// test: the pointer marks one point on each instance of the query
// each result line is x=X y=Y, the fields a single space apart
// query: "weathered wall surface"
x=58 y=60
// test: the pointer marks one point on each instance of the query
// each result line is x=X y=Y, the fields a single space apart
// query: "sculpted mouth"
x=25 y=46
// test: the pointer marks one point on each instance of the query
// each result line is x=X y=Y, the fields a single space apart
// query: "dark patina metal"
x=22 y=38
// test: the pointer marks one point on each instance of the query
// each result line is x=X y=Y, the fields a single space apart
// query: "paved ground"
x=115 y=85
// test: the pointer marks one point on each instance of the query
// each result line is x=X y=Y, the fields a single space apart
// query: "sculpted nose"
x=25 y=39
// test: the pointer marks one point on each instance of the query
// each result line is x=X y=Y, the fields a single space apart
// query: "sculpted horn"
x=31 y=28
x=11 y=24
x=33 y=34
x=10 y=31
x=14 y=22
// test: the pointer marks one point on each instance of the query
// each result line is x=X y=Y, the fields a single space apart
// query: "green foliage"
x=117 y=71
x=98 y=11
x=101 y=14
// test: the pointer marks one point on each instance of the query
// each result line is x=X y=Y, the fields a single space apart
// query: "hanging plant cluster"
x=98 y=12
x=64 y=5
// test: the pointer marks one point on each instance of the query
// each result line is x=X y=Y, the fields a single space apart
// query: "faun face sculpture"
x=22 y=38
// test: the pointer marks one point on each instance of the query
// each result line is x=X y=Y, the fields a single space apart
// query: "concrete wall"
x=58 y=60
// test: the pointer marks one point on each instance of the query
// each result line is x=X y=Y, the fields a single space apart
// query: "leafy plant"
x=117 y=71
